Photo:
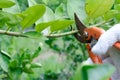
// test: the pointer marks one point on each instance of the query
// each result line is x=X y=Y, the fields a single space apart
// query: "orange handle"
x=95 y=58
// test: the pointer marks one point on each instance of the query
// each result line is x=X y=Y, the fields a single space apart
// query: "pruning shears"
x=90 y=36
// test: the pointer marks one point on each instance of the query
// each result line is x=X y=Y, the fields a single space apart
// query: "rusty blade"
x=79 y=24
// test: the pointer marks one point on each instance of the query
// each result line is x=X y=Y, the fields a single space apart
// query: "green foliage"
x=97 y=8
x=23 y=4
x=94 y=72
x=36 y=53
x=76 y=6
x=54 y=25
x=22 y=62
x=14 y=9
x=63 y=24
x=31 y=15
x=117 y=8
x=6 y=3
x=110 y=14
x=9 y=19
x=48 y=16
x=52 y=67
x=117 y=1
x=21 y=59
x=60 y=11
x=103 y=11
x=75 y=52
x=4 y=61
x=52 y=64
x=33 y=33
x=51 y=3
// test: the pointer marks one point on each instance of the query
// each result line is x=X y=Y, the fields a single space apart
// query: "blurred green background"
x=60 y=58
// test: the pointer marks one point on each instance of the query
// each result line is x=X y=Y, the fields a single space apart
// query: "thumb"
x=107 y=40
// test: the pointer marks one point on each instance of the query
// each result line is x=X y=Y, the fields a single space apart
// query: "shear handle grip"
x=96 y=32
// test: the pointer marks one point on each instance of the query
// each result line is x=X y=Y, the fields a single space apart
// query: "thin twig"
x=101 y=23
x=4 y=32
x=75 y=31
x=62 y=34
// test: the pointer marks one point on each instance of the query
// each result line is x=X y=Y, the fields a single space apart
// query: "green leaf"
x=28 y=69
x=54 y=25
x=37 y=52
x=6 y=3
x=36 y=65
x=33 y=34
x=32 y=14
x=13 y=64
x=110 y=14
x=15 y=74
x=117 y=1
x=14 y=9
x=52 y=64
x=60 y=12
x=10 y=19
x=117 y=7
x=60 y=24
x=3 y=76
x=117 y=16
x=41 y=26
x=76 y=6
x=4 y=62
x=23 y=4
x=48 y=16
x=96 y=8
x=31 y=2
x=94 y=72
x=27 y=54
x=6 y=54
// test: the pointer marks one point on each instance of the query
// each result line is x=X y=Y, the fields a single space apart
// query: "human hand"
x=107 y=40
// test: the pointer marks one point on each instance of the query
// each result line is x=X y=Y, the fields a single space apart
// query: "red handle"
x=95 y=58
